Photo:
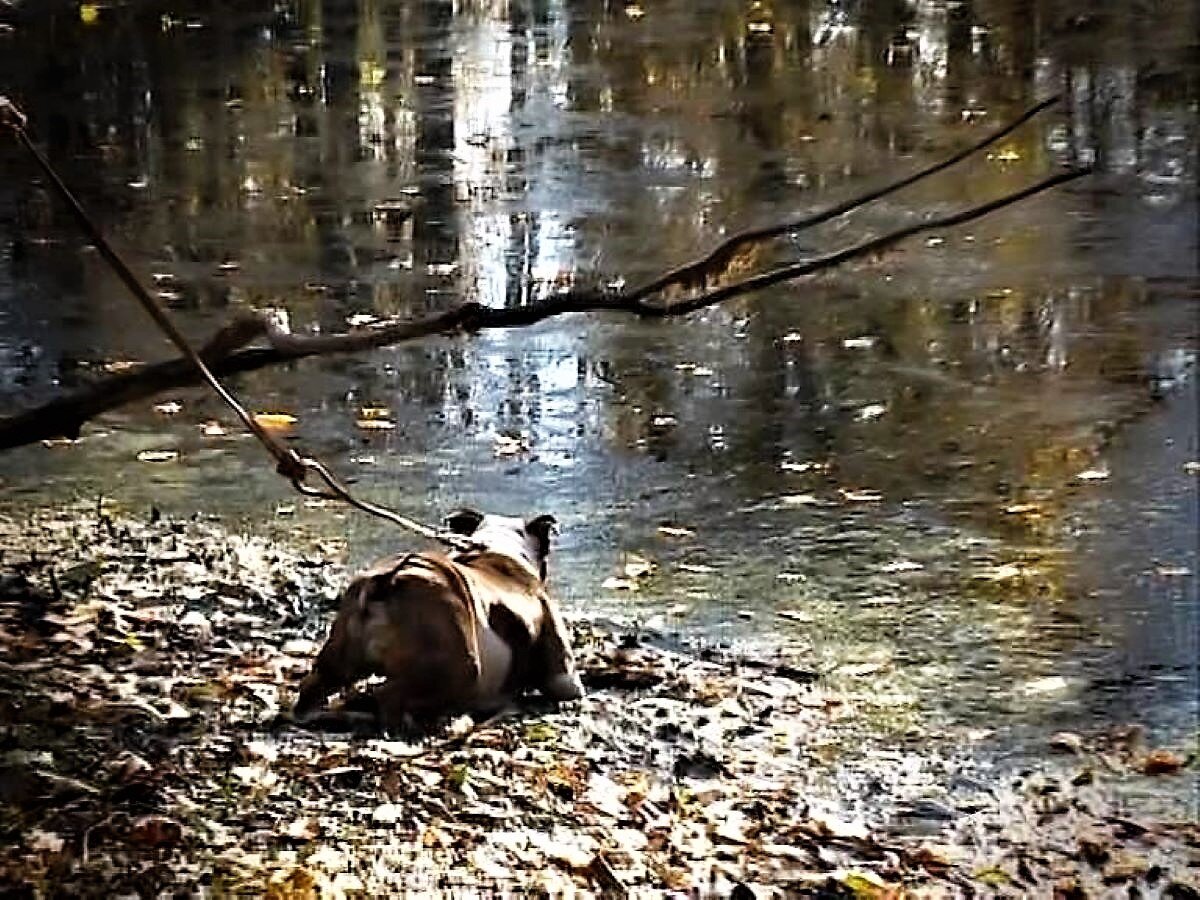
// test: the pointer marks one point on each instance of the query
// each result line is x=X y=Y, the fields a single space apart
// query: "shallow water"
x=958 y=471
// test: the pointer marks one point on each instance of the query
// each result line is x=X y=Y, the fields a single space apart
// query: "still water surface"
x=954 y=478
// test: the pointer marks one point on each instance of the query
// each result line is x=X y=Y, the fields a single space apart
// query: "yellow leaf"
x=275 y=421
x=89 y=13
x=375 y=424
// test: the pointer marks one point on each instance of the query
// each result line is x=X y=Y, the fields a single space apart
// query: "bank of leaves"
x=147 y=666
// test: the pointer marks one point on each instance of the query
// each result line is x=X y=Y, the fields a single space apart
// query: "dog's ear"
x=542 y=529
x=463 y=521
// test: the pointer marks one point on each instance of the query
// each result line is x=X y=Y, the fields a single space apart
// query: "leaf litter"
x=148 y=664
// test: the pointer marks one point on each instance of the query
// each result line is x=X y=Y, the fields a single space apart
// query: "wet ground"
x=956 y=476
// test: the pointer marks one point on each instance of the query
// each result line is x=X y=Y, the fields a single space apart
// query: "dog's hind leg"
x=560 y=680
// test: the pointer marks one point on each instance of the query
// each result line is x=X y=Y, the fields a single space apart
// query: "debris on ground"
x=147 y=671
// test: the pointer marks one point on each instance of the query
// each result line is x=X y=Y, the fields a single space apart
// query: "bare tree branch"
x=694 y=274
x=226 y=352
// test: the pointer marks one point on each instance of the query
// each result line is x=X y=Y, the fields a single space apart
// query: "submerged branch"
x=227 y=353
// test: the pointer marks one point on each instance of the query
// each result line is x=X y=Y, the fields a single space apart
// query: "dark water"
x=959 y=470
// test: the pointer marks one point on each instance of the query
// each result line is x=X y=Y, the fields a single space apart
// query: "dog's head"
x=528 y=541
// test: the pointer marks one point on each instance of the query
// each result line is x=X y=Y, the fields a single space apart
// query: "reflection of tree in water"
x=668 y=127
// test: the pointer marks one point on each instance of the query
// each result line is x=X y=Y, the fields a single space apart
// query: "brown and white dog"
x=453 y=632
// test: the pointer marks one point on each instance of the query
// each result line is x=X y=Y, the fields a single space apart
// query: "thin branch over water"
x=227 y=352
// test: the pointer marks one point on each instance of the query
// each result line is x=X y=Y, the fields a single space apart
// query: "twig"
x=692 y=274
x=226 y=354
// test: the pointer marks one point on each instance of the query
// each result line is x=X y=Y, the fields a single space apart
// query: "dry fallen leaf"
x=275 y=421
x=1162 y=762
x=155 y=831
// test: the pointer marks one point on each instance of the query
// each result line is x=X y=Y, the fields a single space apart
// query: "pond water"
x=956 y=478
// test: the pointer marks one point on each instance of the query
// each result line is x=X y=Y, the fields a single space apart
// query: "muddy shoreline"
x=149 y=663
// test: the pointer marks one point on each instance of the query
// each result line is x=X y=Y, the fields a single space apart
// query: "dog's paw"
x=564 y=686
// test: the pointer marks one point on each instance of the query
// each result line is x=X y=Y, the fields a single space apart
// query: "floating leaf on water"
x=509 y=444
x=1021 y=509
x=369 y=424
x=675 y=531
x=170 y=408
x=862 y=496
x=870 y=411
x=1172 y=571
x=794 y=615
x=934 y=241
x=157 y=456
x=275 y=421
x=1040 y=687
x=861 y=670
x=638 y=566
x=1093 y=475
x=1006 y=155
x=618 y=584
x=866 y=342
x=1005 y=572
x=799 y=500
x=789 y=466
